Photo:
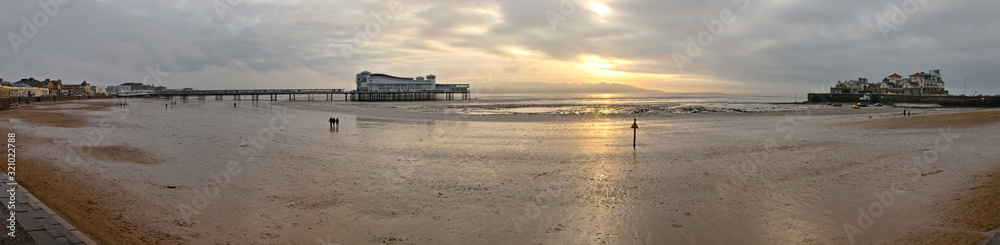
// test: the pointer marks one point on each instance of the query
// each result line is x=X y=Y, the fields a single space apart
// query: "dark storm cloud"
x=779 y=45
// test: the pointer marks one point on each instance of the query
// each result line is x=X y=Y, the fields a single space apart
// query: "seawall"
x=946 y=100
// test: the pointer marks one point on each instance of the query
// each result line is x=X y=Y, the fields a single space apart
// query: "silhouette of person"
x=332 y=121
x=336 y=121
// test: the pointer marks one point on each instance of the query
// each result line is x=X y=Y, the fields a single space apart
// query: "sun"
x=598 y=65
x=600 y=8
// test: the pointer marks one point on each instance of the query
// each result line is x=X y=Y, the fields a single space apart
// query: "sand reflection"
x=599 y=186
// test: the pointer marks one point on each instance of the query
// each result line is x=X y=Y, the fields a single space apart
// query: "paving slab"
x=41 y=223
x=995 y=240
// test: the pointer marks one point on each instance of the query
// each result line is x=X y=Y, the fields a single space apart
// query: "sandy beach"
x=203 y=172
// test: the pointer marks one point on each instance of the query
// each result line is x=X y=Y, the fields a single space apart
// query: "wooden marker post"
x=635 y=127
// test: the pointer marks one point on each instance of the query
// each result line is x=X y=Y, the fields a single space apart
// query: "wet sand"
x=97 y=205
x=958 y=120
x=512 y=179
x=970 y=216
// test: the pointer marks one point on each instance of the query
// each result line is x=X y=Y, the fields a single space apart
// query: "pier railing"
x=247 y=91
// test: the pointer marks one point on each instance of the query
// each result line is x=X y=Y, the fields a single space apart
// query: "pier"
x=254 y=94
x=407 y=96
x=329 y=94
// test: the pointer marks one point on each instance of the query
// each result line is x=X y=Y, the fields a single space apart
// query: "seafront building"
x=384 y=87
x=23 y=90
x=81 y=89
x=118 y=89
x=920 y=83
x=54 y=87
x=4 y=97
x=378 y=82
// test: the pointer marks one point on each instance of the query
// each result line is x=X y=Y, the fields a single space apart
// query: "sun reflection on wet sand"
x=600 y=182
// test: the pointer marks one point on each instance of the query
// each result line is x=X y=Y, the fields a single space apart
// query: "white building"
x=917 y=84
x=100 y=91
x=378 y=82
x=23 y=90
x=117 y=89
x=920 y=83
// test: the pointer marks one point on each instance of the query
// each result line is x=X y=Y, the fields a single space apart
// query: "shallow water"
x=601 y=104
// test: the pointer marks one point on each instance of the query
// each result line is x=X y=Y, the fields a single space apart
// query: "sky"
x=730 y=46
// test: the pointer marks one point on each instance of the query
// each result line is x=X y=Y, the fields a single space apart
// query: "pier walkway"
x=254 y=94
x=291 y=94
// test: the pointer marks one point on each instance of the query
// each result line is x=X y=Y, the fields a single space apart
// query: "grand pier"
x=370 y=87
x=308 y=94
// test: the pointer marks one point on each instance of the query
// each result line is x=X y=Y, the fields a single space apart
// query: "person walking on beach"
x=336 y=121
x=331 y=121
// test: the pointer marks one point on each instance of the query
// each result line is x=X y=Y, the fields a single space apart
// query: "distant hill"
x=541 y=87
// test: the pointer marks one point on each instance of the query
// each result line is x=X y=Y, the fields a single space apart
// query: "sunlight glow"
x=599 y=65
x=600 y=8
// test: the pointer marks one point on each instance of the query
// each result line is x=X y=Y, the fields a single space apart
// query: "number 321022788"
x=11 y=157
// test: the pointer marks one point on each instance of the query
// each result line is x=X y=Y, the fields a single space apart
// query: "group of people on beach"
x=334 y=122
x=906 y=113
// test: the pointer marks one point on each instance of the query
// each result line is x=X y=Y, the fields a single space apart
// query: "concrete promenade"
x=42 y=224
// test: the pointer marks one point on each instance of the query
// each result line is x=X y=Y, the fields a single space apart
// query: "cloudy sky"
x=735 y=46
